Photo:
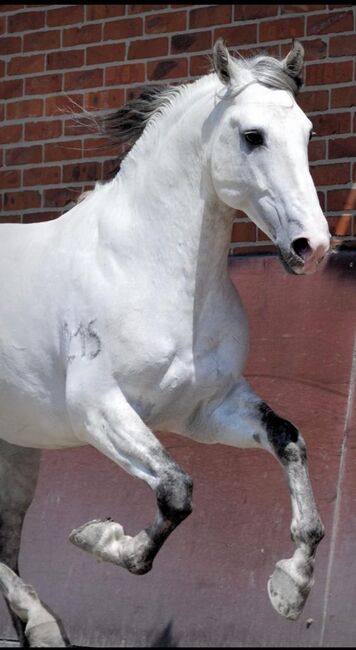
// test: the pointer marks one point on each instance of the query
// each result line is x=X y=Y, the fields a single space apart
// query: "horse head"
x=259 y=154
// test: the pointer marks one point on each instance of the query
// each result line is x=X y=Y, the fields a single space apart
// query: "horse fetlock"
x=310 y=533
x=174 y=496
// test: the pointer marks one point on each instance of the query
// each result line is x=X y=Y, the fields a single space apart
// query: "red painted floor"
x=208 y=585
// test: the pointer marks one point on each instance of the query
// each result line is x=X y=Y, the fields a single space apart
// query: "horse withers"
x=88 y=354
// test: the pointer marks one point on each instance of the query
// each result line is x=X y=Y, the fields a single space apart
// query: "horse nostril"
x=301 y=248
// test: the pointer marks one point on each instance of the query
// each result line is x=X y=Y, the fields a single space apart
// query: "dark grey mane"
x=127 y=124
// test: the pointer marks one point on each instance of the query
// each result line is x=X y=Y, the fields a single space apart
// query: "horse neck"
x=165 y=184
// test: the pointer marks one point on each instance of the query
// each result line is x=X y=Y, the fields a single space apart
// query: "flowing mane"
x=126 y=125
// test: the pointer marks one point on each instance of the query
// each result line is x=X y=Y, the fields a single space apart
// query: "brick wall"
x=56 y=60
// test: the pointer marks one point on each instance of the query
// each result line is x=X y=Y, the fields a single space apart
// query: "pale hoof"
x=286 y=595
x=107 y=541
x=96 y=534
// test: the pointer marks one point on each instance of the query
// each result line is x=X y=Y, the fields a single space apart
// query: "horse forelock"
x=265 y=70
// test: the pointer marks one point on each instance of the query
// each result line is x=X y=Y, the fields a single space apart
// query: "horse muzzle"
x=304 y=256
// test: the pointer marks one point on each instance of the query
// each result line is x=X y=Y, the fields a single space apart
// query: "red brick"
x=210 y=16
x=282 y=28
x=31 y=217
x=169 y=22
x=119 y=29
x=65 y=59
x=6 y=8
x=311 y=101
x=2 y=112
x=327 y=73
x=80 y=125
x=65 y=16
x=110 y=169
x=81 y=35
x=331 y=174
x=10 y=45
x=26 y=21
x=2 y=68
x=252 y=11
x=10 y=178
x=111 y=98
x=2 y=24
x=191 y=42
x=22 y=65
x=95 y=147
x=327 y=23
x=167 y=69
x=148 y=48
x=42 y=176
x=21 y=200
x=105 y=53
x=300 y=9
x=199 y=65
x=9 y=218
x=43 y=85
x=88 y=171
x=10 y=89
x=329 y=124
x=60 y=197
x=100 y=12
x=243 y=231
x=26 y=108
x=340 y=226
x=317 y=150
x=83 y=79
x=342 y=147
x=314 y=50
x=342 y=45
x=125 y=74
x=69 y=150
x=47 y=40
x=10 y=133
x=60 y=105
x=43 y=130
x=237 y=35
x=24 y=155
x=140 y=9
x=343 y=97
x=344 y=199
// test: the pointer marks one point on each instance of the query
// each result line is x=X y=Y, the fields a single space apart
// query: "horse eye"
x=254 y=137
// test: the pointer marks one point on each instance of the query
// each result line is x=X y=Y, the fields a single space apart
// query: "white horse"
x=102 y=343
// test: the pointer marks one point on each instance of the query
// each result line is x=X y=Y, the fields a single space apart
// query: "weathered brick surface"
x=57 y=61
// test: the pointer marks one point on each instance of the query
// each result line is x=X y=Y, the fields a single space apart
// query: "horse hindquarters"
x=18 y=477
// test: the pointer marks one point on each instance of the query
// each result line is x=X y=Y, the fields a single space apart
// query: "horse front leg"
x=108 y=423
x=243 y=419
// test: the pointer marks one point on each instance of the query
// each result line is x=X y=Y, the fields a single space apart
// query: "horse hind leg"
x=18 y=477
x=42 y=628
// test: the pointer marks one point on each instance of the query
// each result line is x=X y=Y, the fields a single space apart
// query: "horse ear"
x=294 y=61
x=222 y=61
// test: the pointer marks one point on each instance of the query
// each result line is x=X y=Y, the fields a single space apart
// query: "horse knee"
x=285 y=439
x=174 y=495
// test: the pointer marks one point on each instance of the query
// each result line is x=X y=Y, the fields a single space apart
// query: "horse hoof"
x=96 y=534
x=286 y=595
